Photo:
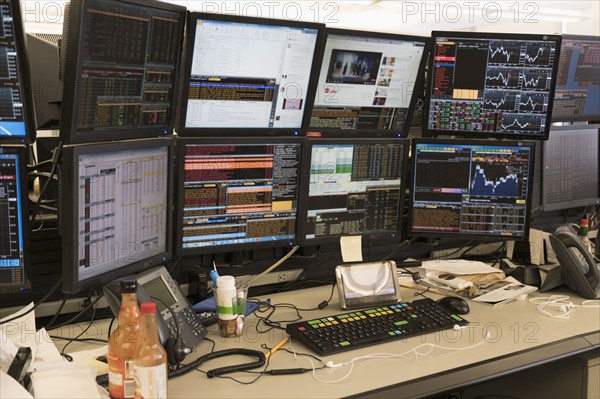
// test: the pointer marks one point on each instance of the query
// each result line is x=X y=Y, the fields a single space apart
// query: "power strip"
x=272 y=278
x=481 y=249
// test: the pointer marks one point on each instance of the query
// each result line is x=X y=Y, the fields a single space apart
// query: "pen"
x=279 y=345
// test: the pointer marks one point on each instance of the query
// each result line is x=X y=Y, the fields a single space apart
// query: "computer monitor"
x=121 y=68
x=237 y=194
x=577 y=96
x=17 y=118
x=14 y=217
x=570 y=169
x=44 y=62
x=354 y=187
x=367 y=84
x=247 y=76
x=495 y=85
x=471 y=188
x=115 y=211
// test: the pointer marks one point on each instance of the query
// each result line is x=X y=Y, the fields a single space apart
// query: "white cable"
x=559 y=306
x=275 y=265
x=416 y=351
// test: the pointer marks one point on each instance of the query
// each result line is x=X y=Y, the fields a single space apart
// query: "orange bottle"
x=123 y=343
x=150 y=360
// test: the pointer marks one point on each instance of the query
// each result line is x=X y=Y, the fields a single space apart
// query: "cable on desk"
x=44 y=299
x=403 y=245
x=81 y=313
x=62 y=352
x=308 y=270
x=53 y=319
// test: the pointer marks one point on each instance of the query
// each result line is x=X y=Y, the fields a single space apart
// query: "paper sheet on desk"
x=458 y=266
x=10 y=388
x=8 y=351
x=21 y=331
x=69 y=381
x=504 y=291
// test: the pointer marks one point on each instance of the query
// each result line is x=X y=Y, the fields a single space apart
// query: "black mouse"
x=456 y=304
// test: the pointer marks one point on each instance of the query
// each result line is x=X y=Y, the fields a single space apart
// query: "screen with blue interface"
x=13 y=221
x=577 y=96
x=355 y=187
x=471 y=188
x=13 y=74
x=491 y=85
x=237 y=195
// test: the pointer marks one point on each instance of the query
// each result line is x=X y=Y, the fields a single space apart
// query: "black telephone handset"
x=581 y=278
x=178 y=323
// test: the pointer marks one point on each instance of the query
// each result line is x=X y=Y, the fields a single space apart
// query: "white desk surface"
x=515 y=329
x=520 y=338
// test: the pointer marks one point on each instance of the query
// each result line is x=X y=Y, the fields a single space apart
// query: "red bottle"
x=123 y=344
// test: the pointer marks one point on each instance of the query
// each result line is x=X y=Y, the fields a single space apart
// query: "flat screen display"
x=367 y=83
x=577 y=96
x=17 y=117
x=491 y=85
x=471 y=189
x=237 y=194
x=246 y=75
x=116 y=210
x=121 y=69
x=355 y=187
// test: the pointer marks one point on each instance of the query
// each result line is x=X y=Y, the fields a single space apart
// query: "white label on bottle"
x=151 y=382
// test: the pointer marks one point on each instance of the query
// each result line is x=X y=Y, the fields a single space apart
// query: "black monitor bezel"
x=372 y=237
x=584 y=117
x=25 y=80
x=179 y=193
x=69 y=133
x=371 y=133
x=547 y=207
x=186 y=64
x=69 y=172
x=472 y=142
x=427 y=132
x=22 y=156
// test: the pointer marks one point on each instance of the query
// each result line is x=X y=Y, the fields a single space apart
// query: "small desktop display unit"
x=471 y=188
x=570 y=169
x=17 y=118
x=237 y=194
x=247 y=76
x=14 y=251
x=577 y=96
x=491 y=85
x=115 y=210
x=355 y=187
x=121 y=67
x=368 y=84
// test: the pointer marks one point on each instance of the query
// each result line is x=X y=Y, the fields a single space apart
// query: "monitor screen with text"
x=367 y=83
x=245 y=74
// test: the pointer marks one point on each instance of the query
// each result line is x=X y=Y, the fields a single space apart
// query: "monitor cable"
x=36 y=207
x=275 y=265
x=44 y=299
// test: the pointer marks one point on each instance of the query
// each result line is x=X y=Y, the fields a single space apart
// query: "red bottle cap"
x=584 y=223
x=148 y=307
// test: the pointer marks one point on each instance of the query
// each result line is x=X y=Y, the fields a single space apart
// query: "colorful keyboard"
x=352 y=330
